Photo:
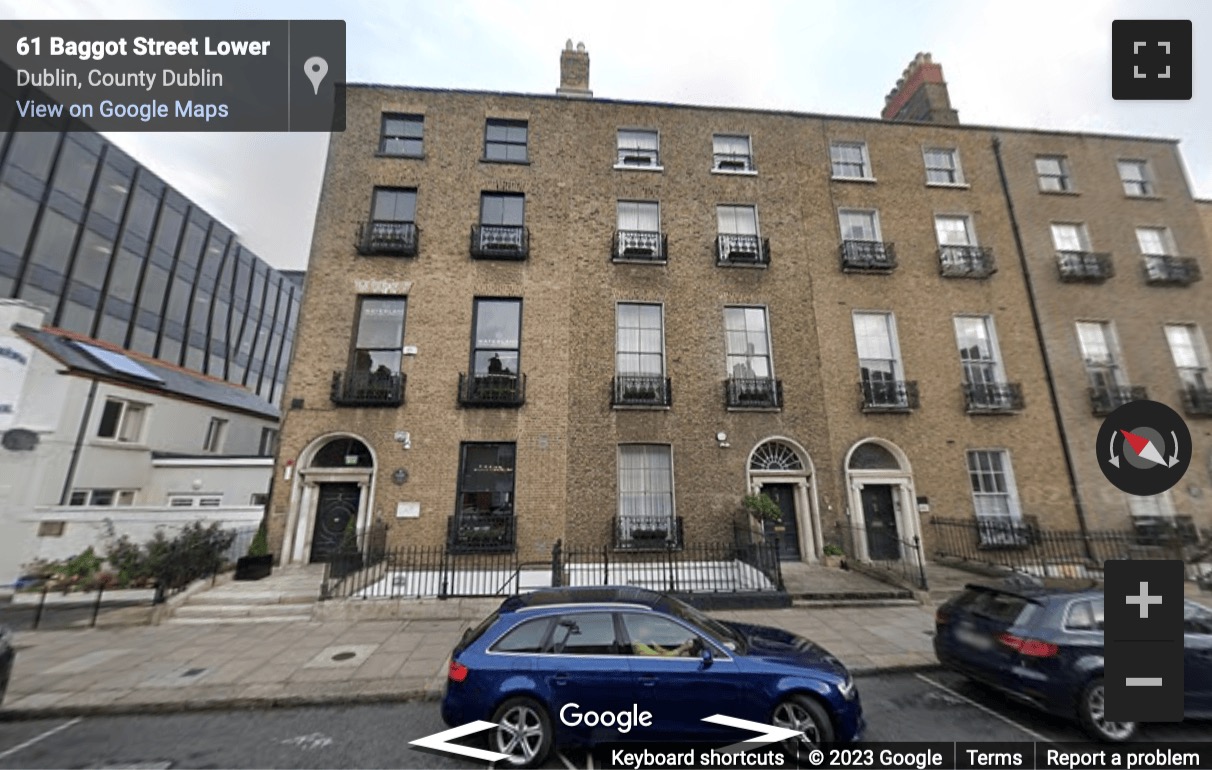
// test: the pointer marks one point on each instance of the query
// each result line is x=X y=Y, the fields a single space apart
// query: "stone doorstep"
x=822 y=603
x=227 y=596
x=236 y=620
x=240 y=610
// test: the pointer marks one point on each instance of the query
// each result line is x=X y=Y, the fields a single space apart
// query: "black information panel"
x=173 y=75
x=1143 y=640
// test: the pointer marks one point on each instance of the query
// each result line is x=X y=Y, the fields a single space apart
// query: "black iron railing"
x=397 y=239
x=888 y=395
x=641 y=390
x=993 y=398
x=733 y=161
x=1105 y=400
x=1084 y=266
x=742 y=250
x=1197 y=402
x=490 y=390
x=1177 y=271
x=639 y=533
x=639 y=245
x=500 y=242
x=753 y=393
x=867 y=256
x=872 y=547
x=362 y=388
x=480 y=533
x=1023 y=545
x=966 y=262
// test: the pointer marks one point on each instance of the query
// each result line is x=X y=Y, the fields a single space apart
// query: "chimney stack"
x=920 y=94
x=574 y=72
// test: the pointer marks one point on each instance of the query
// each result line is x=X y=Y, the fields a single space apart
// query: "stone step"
x=221 y=596
x=826 y=603
x=192 y=610
x=885 y=595
x=237 y=620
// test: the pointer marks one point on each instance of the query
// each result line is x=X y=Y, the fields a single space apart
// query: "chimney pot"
x=568 y=45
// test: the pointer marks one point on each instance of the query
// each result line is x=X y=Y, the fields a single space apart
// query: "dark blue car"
x=1042 y=642
x=582 y=666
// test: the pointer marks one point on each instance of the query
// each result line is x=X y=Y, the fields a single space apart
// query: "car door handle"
x=560 y=679
x=648 y=680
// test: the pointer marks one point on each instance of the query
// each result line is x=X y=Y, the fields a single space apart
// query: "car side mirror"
x=705 y=656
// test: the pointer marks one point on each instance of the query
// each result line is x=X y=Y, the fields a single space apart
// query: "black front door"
x=789 y=539
x=337 y=506
x=883 y=539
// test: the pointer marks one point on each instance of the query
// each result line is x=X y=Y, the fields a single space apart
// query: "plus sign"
x=1144 y=600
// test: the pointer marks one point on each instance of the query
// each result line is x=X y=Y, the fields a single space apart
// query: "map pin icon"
x=316 y=68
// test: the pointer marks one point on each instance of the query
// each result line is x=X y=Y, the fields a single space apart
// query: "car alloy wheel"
x=1094 y=715
x=804 y=714
x=523 y=732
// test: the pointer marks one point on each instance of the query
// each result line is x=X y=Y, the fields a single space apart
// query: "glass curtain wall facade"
x=112 y=252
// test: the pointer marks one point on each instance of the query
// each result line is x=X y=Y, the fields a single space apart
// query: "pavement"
x=184 y=667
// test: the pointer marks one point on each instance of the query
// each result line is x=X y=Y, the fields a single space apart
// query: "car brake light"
x=458 y=672
x=941 y=615
x=1032 y=648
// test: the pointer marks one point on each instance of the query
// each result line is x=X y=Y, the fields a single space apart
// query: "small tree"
x=260 y=542
x=761 y=507
x=349 y=539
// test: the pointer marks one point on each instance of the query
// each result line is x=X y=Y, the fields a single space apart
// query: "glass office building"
x=114 y=253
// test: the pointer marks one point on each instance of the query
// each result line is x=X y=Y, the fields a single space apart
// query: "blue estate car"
x=1041 y=642
x=582 y=666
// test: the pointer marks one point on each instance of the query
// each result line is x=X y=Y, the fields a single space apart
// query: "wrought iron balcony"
x=641 y=390
x=362 y=388
x=480 y=533
x=1105 y=400
x=1175 y=271
x=638 y=158
x=500 y=242
x=647 y=533
x=396 y=239
x=888 y=395
x=993 y=398
x=492 y=390
x=1084 y=266
x=753 y=393
x=867 y=257
x=1165 y=531
x=1197 y=402
x=639 y=246
x=742 y=250
x=733 y=161
x=966 y=262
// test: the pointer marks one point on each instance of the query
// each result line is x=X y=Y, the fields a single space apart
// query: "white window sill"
x=622 y=167
x=952 y=185
x=731 y=172
x=866 y=179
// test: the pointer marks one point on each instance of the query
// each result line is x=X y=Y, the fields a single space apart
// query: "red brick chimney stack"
x=920 y=94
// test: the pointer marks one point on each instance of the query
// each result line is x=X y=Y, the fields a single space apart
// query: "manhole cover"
x=344 y=655
x=194 y=672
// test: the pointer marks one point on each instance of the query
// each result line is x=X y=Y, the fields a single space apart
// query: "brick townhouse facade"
x=535 y=318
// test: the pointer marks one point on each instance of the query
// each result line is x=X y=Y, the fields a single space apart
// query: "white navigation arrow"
x=440 y=742
x=766 y=733
x=1114 y=457
x=1174 y=457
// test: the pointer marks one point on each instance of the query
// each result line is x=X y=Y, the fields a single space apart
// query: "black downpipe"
x=1079 y=507
x=70 y=479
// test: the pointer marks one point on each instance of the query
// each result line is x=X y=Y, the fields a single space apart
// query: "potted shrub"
x=762 y=508
x=832 y=555
x=259 y=562
x=348 y=558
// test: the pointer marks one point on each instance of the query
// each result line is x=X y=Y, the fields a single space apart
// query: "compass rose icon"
x=1144 y=447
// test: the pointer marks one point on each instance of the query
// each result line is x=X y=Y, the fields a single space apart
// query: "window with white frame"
x=640 y=333
x=943 y=166
x=747 y=343
x=731 y=152
x=859 y=224
x=645 y=487
x=1070 y=237
x=1100 y=351
x=639 y=217
x=269 y=442
x=1154 y=241
x=878 y=357
x=1160 y=506
x=1190 y=354
x=122 y=420
x=638 y=148
x=954 y=230
x=191 y=500
x=994 y=495
x=1135 y=176
x=850 y=160
x=102 y=497
x=1053 y=173
x=978 y=349
x=736 y=220
x=216 y=431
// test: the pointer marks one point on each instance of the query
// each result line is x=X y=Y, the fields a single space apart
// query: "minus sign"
x=1143 y=681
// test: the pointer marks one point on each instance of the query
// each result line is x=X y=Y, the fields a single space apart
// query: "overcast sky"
x=1027 y=63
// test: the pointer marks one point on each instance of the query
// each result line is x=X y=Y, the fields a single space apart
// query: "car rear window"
x=471 y=634
x=1004 y=609
x=527 y=637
